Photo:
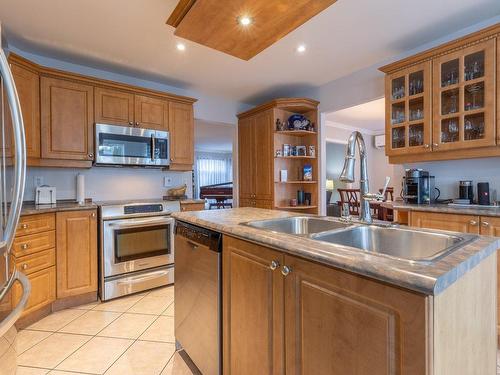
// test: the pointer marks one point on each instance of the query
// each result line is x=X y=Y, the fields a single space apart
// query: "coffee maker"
x=418 y=187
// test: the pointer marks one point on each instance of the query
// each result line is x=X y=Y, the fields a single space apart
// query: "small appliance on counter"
x=465 y=191
x=45 y=195
x=483 y=193
x=418 y=187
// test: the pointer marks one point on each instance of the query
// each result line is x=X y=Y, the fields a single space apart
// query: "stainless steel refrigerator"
x=12 y=178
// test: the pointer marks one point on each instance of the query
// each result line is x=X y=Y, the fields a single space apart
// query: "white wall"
x=107 y=183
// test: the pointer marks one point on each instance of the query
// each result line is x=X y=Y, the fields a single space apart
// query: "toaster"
x=45 y=195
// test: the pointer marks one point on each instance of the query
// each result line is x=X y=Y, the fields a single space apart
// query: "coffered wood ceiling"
x=214 y=23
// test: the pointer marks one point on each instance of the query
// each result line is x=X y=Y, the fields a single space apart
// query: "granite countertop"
x=444 y=208
x=30 y=208
x=426 y=278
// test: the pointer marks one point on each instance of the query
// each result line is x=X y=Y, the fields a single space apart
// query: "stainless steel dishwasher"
x=197 y=289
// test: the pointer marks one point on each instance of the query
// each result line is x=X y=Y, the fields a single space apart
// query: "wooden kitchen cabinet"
x=76 y=252
x=43 y=290
x=27 y=84
x=464 y=98
x=465 y=101
x=302 y=317
x=67 y=119
x=181 y=127
x=246 y=160
x=113 y=107
x=340 y=323
x=151 y=113
x=253 y=315
x=451 y=222
x=408 y=110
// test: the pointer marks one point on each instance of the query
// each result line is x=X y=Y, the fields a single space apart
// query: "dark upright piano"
x=220 y=192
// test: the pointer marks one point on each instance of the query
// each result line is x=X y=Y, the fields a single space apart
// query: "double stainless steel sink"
x=394 y=242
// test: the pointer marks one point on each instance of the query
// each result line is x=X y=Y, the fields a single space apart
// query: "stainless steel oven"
x=137 y=247
x=124 y=145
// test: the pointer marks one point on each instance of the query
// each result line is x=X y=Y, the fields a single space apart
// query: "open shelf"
x=299 y=133
x=295 y=207
x=295 y=157
x=296 y=182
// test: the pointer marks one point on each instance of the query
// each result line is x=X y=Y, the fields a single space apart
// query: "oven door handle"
x=141 y=223
x=138 y=279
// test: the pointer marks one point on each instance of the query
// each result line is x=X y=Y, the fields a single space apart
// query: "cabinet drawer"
x=33 y=243
x=43 y=290
x=192 y=206
x=36 y=262
x=35 y=224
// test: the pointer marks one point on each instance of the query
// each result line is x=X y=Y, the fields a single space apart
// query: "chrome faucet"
x=347 y=175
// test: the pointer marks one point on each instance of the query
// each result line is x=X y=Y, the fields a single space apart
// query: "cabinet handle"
x=131 y=123
x=427 y=145
x=91 y=156
x=485 y=223
x=286 y=270
x=24 y=266
x=93 y=214
x=24 y=246
x=137 y=123
x=435 y=144
x=274 y=265
x=473 y=222
x=24 y=226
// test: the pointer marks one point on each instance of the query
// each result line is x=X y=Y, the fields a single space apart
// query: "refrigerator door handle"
x=14 y=315
x=19 y=156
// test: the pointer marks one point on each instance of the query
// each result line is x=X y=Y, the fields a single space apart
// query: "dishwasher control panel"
x=202 y=236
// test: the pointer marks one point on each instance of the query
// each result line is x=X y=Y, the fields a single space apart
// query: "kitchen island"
x=301 y=306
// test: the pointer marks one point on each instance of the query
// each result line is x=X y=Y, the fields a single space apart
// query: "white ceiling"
x=132 y=35
x=213 y=137
x=367 y=116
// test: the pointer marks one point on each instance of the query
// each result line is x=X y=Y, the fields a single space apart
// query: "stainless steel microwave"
x=124 y=145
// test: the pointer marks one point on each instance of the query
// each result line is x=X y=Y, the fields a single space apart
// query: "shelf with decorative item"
x=298 y=133
x=295 y=157
x=298 y=182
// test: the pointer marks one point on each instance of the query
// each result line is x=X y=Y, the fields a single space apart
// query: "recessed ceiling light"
x=301 y=48
x=244 y=20
x=181 y=46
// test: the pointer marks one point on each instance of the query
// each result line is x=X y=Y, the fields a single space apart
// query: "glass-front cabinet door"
x=463 y=98
x=408 y=110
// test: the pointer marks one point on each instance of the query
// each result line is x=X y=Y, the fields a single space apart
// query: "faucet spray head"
x=347 y=174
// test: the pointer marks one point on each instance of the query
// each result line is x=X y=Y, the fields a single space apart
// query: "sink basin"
x=397 y=243
x=299 y=225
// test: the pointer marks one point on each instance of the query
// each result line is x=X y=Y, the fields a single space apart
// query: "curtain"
x=212 y=168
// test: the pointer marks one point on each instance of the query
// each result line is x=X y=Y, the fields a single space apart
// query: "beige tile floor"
x=132 y=335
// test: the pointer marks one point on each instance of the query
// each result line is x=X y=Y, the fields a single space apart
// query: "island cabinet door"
x=253 y=315
x=337 y=323
x=451 y=222
x=76 y=258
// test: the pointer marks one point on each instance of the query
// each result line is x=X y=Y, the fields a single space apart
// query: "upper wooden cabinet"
x=181 y=127
x=464 y=98
x=67 y=111
x=442 y=104
x=113 y=107
x=151 y=113
x=61 y=108
x=408 y=110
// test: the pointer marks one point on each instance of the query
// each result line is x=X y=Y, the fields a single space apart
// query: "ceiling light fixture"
x=181 y=46
x=301 y=48
x=244 y=20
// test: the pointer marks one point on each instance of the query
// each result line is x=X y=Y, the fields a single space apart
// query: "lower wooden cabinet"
x=192 y=206
x=253 y=310
x=340 y=323
x=451 y=222
x=76 y=233
x=43 y=289
x=316 y=319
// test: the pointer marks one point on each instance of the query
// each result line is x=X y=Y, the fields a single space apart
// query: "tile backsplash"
x=107 y=183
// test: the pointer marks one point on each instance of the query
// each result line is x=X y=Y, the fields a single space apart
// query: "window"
x=212 y=168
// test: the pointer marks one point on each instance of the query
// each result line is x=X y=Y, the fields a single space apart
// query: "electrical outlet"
x=38 y=181
x=167 y=181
